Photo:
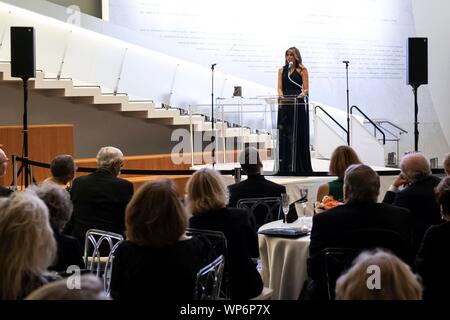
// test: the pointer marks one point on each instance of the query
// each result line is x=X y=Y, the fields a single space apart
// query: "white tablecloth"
x=284 y=260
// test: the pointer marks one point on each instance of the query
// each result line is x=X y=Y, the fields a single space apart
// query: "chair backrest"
x=334 y=262
x=261 y=210
x=216 y=242
x=209 y=280
x=99 y=247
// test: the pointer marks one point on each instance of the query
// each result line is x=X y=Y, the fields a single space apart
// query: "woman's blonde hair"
x=396 y=280
x=155 y=216
x=27 y=245
x=206 y=191
x=341 y=159
x=91 y=288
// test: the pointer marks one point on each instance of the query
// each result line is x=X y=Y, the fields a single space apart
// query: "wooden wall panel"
x=44 y=142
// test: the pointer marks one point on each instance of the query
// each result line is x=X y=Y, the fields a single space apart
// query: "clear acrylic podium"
x=242 y=121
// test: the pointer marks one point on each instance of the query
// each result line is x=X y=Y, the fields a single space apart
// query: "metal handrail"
x=392 y=124
x=373 y=123
x=335 y=121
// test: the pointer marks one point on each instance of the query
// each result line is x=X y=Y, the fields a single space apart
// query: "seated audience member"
x=4 y=192
x=99 y=199
x=157 y=261
x=341 y=159
x=447 y=164
x=358 y=223
x=62 y=168
x=60 y=210
x=207 y=198
x=91 y=288
x=433 y=259
x=389 y=277
x=27 y=246
x=255 y=186
x=417 y=195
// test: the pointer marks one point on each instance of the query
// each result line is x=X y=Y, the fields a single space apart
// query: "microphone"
x=346 y=61
x=290 y=64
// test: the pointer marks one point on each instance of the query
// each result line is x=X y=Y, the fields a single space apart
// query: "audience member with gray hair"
x=91 y=288
x=100 y=198
x=27 y=246
x=357 y=223
x=447 y=164
x=414 y=189
x=60 y=210
x=395 y=279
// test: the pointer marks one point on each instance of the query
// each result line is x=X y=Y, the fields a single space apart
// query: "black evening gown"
x=294 y=155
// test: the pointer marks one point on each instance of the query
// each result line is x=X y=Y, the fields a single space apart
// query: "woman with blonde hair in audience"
x=207 y=197
x=158 y=261
x=341 y=158
x=90 y=288
x=378 y=275
x=27 y=246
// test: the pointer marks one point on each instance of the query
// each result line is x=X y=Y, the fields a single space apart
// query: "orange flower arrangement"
x=328 y=202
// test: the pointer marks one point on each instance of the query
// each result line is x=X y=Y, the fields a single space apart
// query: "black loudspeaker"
x=417 y=61
x=23 y=53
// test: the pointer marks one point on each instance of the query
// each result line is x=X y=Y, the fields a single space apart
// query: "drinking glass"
x=285 y=205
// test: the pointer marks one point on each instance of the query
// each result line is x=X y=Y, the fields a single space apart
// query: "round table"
x=283 y=260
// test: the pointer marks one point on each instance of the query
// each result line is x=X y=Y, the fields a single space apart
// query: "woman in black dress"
x=293 y=117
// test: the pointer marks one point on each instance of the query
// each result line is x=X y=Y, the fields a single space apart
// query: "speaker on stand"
x=417 y=74
x=23 y=65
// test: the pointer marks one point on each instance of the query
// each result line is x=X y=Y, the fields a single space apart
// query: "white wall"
x=432 y=20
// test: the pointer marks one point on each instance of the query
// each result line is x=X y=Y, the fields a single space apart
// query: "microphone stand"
x=213 y=137
x=348 y=102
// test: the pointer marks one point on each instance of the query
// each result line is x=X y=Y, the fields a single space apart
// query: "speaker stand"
x=25 y=166
x=416 y=123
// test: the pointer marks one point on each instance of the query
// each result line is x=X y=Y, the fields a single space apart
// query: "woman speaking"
x=293 y=117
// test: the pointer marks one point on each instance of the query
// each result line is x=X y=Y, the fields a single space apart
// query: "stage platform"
x=294 y=184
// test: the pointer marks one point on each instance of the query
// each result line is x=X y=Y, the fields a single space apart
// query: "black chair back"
x=209 y=280
x=216 y=242
x=261 y=210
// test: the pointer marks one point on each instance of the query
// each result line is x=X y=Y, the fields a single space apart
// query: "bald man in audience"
x=4 y=192
x=414 y=189
x=447 y=164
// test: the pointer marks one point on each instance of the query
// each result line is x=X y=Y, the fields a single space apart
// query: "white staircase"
x=149 y=110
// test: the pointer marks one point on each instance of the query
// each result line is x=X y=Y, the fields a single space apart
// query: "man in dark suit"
x=100 y=198
x=417 y=195
x=338 y=227
x=255 y=186
x=4 y=192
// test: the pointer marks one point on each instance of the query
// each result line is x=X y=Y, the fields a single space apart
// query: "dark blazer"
x=420 y=199
x=255 y=186
x=69 y=253
x=163 y=274
x=5 y=192
x=99 y=201
x=245 y=281
x=335 y=227
x=433 y=262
